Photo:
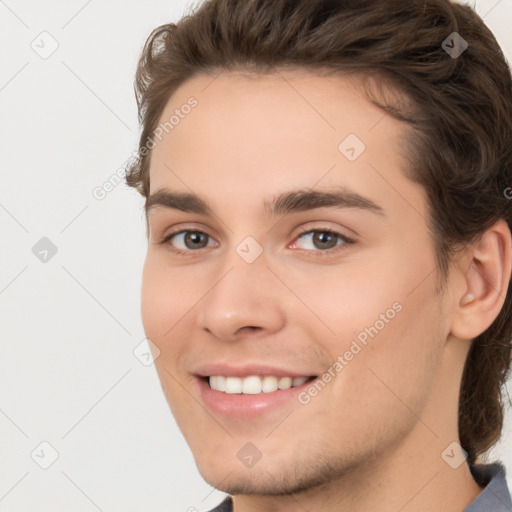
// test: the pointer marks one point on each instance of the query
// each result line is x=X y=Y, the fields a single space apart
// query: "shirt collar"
x=496 y=495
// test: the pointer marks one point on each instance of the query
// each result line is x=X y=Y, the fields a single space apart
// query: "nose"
x=245 y=299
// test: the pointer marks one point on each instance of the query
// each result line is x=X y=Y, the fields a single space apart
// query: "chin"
x=271 y=479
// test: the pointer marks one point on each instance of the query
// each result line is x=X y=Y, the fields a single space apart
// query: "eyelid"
x=303 y=230
x=180 y=228
x=346 y=240
x=166 y=239
x=328 y=226
x=319 y=226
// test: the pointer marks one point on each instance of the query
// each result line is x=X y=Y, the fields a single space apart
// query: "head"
x=265 y=96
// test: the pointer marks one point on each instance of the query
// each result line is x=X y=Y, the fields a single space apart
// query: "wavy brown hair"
x=459 y=141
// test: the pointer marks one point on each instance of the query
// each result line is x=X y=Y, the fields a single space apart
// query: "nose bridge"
x=243 y=294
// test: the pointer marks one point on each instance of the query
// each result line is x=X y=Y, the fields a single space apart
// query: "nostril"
x=249 y=327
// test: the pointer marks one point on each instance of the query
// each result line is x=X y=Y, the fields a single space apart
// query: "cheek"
x=366 y=292
x=400 y=333
x=346 y=300
x=397 y=364
x=166 y=297
x=382 y=311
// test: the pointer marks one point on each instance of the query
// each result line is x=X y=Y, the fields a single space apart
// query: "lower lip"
x=245 y=405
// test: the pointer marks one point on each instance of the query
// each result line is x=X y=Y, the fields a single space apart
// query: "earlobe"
x=486 y=276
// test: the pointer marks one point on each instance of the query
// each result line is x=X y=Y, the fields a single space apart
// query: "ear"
x=485 y=270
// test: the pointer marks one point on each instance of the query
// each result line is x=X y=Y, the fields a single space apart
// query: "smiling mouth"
x=254 y=384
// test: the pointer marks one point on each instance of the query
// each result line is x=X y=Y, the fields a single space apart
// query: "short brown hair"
x=460 y=135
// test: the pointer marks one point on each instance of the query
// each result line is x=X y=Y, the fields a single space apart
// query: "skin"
x=372 y=439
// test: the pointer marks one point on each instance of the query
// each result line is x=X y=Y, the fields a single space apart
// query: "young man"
x=326 y=287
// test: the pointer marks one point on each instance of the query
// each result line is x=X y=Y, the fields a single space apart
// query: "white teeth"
x=285 y=383
x=253 y=385
x=233 y=385
x=218 y=382
x=298 y=381
x=269 y=384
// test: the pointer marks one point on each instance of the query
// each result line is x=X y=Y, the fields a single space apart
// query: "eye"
x=321 y=240
x=185 y=241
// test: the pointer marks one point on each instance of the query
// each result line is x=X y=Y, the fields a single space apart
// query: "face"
x=281 y=250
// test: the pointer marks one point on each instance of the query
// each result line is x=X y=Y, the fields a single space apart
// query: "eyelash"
x=316 y=253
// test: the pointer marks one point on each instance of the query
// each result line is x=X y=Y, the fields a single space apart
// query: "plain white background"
x=69 y=377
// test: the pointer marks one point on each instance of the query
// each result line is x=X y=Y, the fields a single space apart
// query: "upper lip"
x=246 y=370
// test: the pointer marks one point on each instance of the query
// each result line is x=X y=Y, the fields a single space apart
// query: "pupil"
x=194 y=239
x=324 y=240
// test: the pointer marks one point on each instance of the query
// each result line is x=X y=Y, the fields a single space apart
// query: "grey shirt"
x=494 y=498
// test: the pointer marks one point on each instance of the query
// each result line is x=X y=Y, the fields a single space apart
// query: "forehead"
x=261 y=133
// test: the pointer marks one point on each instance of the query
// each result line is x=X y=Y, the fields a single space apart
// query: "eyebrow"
x=287 y=202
